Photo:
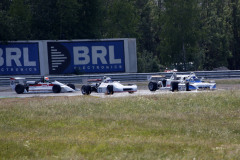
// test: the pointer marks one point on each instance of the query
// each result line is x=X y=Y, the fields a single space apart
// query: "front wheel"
x=187 y=86
x=152 y=86
x=19 y=88
x=86 y=89
x=110 y=89
x=56 y=88
x=174 y=86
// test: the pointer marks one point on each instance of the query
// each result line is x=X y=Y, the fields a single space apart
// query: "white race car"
x=107 y=86
x=179 y=82
x=199 y=84
x=20 y=85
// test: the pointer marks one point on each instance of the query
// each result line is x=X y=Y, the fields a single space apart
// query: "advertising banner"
x=86 y=57
x=19 y=59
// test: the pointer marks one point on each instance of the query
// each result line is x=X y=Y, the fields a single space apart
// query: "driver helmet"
x=108 y=79
x=46 y=79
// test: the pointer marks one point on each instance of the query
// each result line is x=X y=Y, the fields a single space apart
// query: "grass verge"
x=228 y=81
x=174 y=126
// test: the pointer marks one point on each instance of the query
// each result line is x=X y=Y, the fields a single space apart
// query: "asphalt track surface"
x=6 y=92
x=141 y=92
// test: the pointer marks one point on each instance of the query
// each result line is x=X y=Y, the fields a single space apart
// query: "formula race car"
x=170 y=70
x=179 y=82
x=107 y=86
x=20 y=85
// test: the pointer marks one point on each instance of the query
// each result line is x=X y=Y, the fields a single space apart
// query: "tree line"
x=181 y=34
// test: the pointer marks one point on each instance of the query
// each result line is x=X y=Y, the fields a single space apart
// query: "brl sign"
x=86 y=57
x=19 y=59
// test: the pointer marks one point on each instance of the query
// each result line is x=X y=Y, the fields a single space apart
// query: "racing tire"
x=174 y=86
x=93 y=89
x=86 y=90
x=110 y=89
x=19 y=88
x=56 y=88
x=89 y=89
x=187 y=86
x=164 y=82
x=130 y=92
x=71 y=86
x=152 y=86
x=27 y=88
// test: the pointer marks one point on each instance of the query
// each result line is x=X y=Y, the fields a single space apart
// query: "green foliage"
x=203 y=33
x=4 y=20
x=234 y=20
x=64 y=19
x=44 y=19
x=147 y=62
x=180 y=32
x=215 y=29
x=89 y=19
x=120 y=19
x=68 y=11
x=20 y=20
x=146 y=27
x=4 y=31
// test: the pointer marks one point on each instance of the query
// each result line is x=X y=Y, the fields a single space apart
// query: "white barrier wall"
x=51 y=57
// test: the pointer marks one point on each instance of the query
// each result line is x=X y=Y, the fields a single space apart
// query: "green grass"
x=228 y=81
x=173 y=126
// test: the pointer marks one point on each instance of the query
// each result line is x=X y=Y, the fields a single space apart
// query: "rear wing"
x=86 y=80
x=94 y=80
x=155 y=77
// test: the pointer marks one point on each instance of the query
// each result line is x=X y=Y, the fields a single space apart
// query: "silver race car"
x=20 y=85
x=179 y=83
x=107 y=86
x=199 y=84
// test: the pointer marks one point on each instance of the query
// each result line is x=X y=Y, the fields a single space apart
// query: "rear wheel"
x=86 y=89
x=164 y=82
x=27 y=88
x=187 y=86
x=71 y=86
x=110 y=89
x=56 y=88
x=19 y=88
x=152 y=86
x=174 y=86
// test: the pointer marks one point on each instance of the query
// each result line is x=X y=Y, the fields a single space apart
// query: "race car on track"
x=107 y=86
x=20 y=85
x=179 y=83
x=170 y=70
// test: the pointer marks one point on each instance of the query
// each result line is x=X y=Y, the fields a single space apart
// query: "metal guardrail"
x=80 y=79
